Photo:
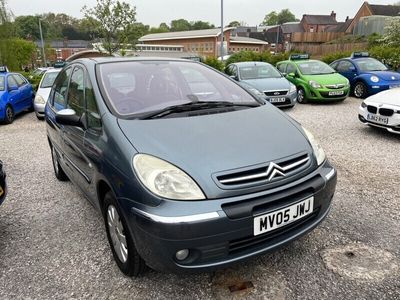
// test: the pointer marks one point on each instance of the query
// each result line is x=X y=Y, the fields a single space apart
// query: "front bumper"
x=324 y=94
x=220 y=232
x=39 y=108
x=393 y=122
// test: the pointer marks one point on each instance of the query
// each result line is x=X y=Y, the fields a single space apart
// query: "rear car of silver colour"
x=190 y=171
x=43 y=91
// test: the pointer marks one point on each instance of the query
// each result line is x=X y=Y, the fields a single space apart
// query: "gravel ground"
x=52 y=242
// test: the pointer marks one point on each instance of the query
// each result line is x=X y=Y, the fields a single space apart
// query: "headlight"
x=292 y=89
x=318 y=151
x=164 y=179
x=374 y=78
x=256 y=92
x=314 y=84
x=39 y=99
x=363 y=104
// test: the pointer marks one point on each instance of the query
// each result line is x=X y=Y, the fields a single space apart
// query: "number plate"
x=282 y=217
x=378 y=119
x=336 y=93
x=277 y=100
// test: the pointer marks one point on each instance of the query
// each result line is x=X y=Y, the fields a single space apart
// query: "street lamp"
x=41 y=39
x=222 y=29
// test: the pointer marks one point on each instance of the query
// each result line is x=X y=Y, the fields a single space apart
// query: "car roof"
x=55 y=70
x=250 y=63
x=99 y=60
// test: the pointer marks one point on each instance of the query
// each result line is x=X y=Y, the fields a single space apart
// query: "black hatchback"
x=188 y=169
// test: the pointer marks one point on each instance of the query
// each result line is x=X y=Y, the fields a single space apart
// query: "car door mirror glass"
x=68 y=117
x=291 y=74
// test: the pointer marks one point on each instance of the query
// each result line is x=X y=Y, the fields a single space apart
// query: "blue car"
x=367 y=75
x=16 y=95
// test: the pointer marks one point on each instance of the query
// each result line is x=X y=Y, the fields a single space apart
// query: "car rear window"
x=136 y=87
x=48 y=79
x=2 y=83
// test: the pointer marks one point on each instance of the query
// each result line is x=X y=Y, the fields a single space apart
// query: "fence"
x=324 y=49
x=315 y=37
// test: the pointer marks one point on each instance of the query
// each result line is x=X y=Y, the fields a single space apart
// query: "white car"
x=43 y=91
x=382 y=110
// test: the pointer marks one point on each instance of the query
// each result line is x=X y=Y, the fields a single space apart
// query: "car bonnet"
x=204 y=145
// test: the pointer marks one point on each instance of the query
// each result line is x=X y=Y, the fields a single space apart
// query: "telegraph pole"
x=222 y=29
x=41 y=39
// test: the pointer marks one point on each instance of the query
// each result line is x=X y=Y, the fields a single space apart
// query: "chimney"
x=347 y=18
x=333 y=15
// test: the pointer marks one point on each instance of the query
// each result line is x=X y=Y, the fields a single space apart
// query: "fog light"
x=182 y=254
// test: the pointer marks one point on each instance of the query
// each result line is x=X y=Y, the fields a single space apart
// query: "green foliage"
x=391 y=37
x=215 y=63
x=16 y=52
x=331 y=57
x=112 y=20
x=273 y=18
x=234 y=24
x=374 y=39
x=197 y=25
x=180 y=25
x=255 y=56
x=33 y=80
x=388 y=54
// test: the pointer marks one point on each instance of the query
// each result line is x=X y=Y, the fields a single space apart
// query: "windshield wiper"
x=190 y=106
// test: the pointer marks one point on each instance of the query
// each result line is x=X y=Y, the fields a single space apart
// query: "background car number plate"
x=378 y=119
x=336 y=93
x=282 y=217
x=277 y=100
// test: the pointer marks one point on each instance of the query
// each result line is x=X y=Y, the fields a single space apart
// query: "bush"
x=33 y=80
x=265 y=56
x=388 y=55
x=329 y=58
x=214 y=63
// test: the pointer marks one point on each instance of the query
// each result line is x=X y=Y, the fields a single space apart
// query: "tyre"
x=360 y=90
x=9 y=115
x=301 y=96
x=58 y=171
x=121 y=242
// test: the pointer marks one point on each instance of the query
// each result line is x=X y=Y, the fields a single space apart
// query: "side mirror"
x=291 y=74
x=13 y=88
x=234 y=77
x=68 y=117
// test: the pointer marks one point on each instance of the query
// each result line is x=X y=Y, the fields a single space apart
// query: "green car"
x=314 y=79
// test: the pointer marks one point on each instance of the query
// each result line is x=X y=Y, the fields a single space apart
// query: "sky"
x=154 y=12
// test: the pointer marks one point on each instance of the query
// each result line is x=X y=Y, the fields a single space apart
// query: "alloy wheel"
x=359 y=90
x=117 y=234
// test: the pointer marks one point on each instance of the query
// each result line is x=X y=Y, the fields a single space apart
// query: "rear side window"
x=76 y=92
x=60 y=90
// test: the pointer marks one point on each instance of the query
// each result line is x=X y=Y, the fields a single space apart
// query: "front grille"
x=335 y=86
x=266 y=173
x=372 y=109
x=252 y=242
x=386 y=112
x=276 y=93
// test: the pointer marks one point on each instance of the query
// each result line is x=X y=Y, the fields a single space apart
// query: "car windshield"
x=258 y=72
x=2 y=83
x=315 y=68
x=137 y=87
x=370 y=64
x=48 y=79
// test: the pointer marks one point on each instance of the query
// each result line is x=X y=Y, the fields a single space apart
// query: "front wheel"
x=360 y=90
x=301 y=96
x=120 y=239
x=9 y=115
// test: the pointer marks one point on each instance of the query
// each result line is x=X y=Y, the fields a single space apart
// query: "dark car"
x=188 y=169
x=265 y=81
x=367 y=75
x=16 y=95
x=3 y=185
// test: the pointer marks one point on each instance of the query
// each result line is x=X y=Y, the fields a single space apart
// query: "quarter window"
x=76 y=92
x=60 y=90
x=291 y=69
x=93 y=115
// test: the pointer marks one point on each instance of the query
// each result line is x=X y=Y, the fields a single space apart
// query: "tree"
x=180 y=25
x=27 y=27
x=197 y=25
x=112 y=20
x=270 y=19
x=234 y=24
x=391 y=37
x=274 y=18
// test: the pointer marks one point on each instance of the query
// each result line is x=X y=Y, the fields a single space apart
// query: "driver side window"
x=76 y=92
